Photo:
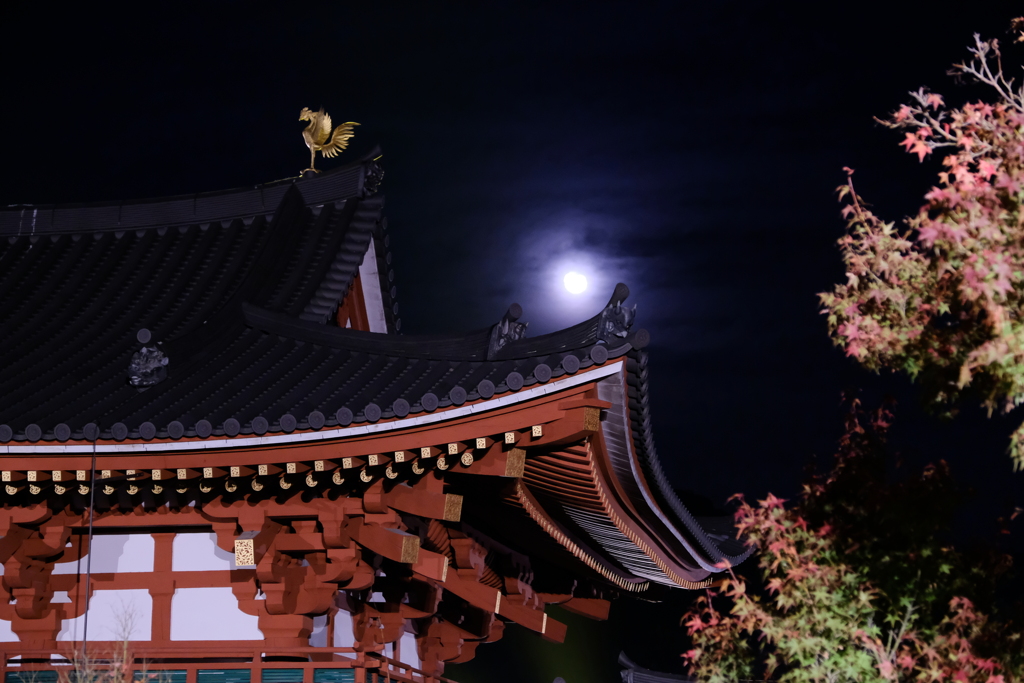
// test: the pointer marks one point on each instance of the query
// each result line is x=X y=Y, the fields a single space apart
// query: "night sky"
x=689 y=151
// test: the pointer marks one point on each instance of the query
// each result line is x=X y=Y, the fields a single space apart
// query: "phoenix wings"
x=321 y=136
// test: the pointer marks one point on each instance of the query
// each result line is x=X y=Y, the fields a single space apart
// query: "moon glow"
x=575 y=282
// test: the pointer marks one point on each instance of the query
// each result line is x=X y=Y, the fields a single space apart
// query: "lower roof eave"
x=311 y=437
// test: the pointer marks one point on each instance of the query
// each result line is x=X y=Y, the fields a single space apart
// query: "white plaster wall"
x=210 y=614
x=407 y=652
x=374 y=300
x=198 y=553
x=6 y=634
x=114 y=553
x=318 y=638
x=343 y=636
x=113 y=614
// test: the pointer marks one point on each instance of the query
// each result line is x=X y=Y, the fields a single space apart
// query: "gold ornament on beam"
x=245 y=552
x=319 y=137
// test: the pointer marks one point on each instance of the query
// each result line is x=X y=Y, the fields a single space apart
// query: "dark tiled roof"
x=77 y=283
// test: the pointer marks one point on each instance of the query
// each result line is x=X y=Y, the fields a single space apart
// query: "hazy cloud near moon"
x=608 y=222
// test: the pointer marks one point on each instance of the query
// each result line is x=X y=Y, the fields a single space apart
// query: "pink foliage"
x=944 y=293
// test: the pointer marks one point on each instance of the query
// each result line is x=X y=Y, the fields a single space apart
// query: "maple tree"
x=855 y=584
x=941 y=296
x=854 y=580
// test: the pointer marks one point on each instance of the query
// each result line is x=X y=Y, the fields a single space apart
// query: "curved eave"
x=523 y=499
x=110 y=447
x=642 y=482
x=575 y=488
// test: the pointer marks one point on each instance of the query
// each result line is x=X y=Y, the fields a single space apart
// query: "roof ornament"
x=149 y=364
x=507 y=330
x=319 y=138
x=374 y=176
x=616 y=320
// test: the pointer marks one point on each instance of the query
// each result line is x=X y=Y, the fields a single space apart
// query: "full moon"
x=575 y=282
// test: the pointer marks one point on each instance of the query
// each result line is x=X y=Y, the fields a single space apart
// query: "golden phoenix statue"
x=318 y=135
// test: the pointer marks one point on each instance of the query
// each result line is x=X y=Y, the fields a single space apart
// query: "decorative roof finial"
x=616 y=320
x=507 y=330
x=318 y=136
x=149 y=364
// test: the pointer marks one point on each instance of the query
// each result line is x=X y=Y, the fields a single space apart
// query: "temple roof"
x=239 y=290
x=77 y=284
x=238 y=305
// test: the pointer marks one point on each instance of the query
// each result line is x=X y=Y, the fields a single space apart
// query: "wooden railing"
x=148 y=661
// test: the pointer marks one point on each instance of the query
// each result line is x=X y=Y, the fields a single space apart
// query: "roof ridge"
x=33 y=220
x=470 y=346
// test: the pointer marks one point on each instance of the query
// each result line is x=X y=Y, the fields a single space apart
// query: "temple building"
x=220 y=455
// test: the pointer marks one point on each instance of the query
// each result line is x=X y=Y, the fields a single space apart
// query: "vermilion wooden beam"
x=390 y=543
x=515 y=417
x=423 y=503
x=592 y=608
